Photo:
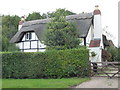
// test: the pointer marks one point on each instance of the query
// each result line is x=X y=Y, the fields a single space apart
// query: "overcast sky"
x=109 y=10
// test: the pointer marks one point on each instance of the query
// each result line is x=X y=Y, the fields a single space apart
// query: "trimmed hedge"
x=52 y=64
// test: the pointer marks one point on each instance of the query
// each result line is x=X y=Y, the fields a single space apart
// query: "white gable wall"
x=97 y=35
x=89 y=36
x=31 y=45
x=98 y=52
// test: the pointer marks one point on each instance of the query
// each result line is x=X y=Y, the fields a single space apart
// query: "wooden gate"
x=105 y=69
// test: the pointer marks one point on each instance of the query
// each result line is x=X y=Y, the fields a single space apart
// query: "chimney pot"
x=97 y=11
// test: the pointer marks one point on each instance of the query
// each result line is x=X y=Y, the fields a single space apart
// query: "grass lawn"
x=42 y=83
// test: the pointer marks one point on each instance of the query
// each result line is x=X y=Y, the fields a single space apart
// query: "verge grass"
x=42 y=83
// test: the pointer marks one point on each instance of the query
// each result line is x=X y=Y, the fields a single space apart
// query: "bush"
x=118 y=55
x=51 y=64
x=114 y=53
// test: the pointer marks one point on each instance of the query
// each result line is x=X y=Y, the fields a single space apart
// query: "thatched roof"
x=82 y=21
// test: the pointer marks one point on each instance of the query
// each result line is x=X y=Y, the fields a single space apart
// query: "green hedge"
x=52 y=64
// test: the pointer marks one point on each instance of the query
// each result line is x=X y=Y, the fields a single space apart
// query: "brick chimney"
x=21 y=22
x=97 y=11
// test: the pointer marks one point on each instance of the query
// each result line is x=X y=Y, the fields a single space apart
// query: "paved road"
x=100 y=82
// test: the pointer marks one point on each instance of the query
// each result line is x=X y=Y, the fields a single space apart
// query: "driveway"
x=100 y=82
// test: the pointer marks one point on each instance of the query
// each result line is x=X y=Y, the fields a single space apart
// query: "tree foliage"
x=9 y=28
x=61 y=34
x=37 y=15
x=114 y=53
x=34 y=16
x=60 y=11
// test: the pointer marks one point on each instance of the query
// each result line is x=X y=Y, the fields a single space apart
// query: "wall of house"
x=32 y=44
x=89 y=36
x=98 y=52
x=97 y=31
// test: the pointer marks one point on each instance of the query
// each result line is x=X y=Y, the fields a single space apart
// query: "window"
x=28 y=36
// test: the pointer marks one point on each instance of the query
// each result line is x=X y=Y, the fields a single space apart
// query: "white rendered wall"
x=34 y=44
x=98 y=52
x=26 y=45
x=97 y=31
x=35 y=50
x=33 y=36
x=97 y=26
x=23 y=39
x=89 y=36
x=101 y=43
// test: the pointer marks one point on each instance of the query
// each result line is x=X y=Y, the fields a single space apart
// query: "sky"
x=109 y=10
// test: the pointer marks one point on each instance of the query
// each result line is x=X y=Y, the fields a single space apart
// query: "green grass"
x=42 y=83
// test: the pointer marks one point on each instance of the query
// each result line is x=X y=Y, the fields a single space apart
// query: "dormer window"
x=28 y=36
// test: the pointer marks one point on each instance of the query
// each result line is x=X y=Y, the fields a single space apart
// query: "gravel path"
x=100 y=82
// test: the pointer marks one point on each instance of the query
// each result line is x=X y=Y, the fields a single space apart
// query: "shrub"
x=51 y=64
x=114 y=53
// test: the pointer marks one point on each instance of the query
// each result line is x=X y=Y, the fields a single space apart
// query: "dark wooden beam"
x=84 y=41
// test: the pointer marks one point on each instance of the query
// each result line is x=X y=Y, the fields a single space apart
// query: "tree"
x=44 y=15
x=9 y=28
x=61 y=34
x=34 y=16
x=63 y=12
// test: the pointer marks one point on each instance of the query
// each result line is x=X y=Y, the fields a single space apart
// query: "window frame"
x=28 y=36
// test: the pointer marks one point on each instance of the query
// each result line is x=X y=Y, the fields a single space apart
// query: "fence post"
x=95 y=67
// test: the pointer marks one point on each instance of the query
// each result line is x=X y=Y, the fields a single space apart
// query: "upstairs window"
x=28 y=36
